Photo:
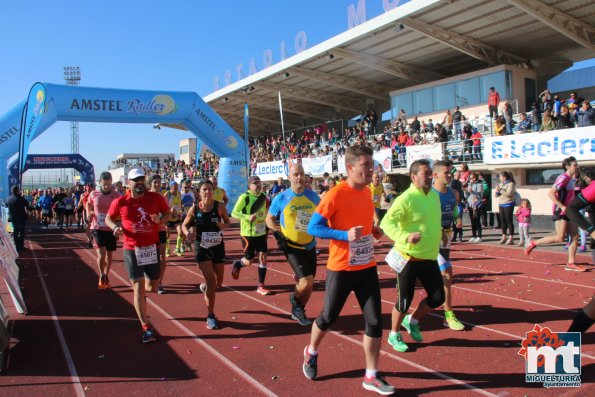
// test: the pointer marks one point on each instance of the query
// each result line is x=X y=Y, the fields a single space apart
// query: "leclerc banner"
x=546 y=147
x=272 y=170
x=318 y=165
x=34 y=111
x=419 y=152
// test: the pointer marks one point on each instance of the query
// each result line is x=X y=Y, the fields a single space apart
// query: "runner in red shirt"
x=141 y=213
x=98 y=203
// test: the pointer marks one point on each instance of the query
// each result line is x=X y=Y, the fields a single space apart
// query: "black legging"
x=506 y=219
x=475 y=217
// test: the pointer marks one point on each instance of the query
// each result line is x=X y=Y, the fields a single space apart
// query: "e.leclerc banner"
x=545 y=147
x=34 y=111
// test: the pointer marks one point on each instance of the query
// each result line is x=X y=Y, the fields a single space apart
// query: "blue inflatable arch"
x=75 y=103
x=49 y=161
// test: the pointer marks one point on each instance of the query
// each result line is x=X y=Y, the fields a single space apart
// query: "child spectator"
x=523 y=215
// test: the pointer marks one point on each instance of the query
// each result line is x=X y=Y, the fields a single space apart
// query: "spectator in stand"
x=564 y=120
x=536 y=117
x=507 y=110
x=442 y=134
x=557 y=105
x=524 y=124
x=476 y=137
x=586 y=115
x=447 y=121
x=493 y=102
x=467 y=134
x=373 y=118
x=572 y=100
x=464 y=174
x=457 y=118
x=430 y=125
x=500 y=126
x=547 y=123
x=415 y=125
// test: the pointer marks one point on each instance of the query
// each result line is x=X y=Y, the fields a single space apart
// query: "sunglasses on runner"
x=139 y=179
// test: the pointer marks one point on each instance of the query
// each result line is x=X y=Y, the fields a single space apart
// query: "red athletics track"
x=499 y=293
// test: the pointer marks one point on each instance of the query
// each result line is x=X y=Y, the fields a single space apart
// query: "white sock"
x=412 y=321
x=371 y=373
x=392 y=333
x=312 y=352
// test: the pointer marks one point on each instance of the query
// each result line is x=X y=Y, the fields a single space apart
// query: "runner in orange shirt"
x=345 y=216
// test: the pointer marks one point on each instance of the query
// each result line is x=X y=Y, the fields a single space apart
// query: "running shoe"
x=582 y=248
x=203 y=288
x=310 y=366
x=412 y=329
x=529 y=248
x=472 y=240
x=161 y=290
x=178 y=252
x=298 y=313
x=167 y=253
x=452 y=322
x=379 y=385
x=235 y=269
x=101 y=284
x=478 y=240
x=212 y=322
x=262 y=290
x=148 y=335
x=396 y=341
x=182 y=248
x=575 y=268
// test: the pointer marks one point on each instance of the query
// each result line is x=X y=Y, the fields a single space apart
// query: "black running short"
x=302 y=261
x=428 y=273
x=163 y=237
x=174 y=223
x=365 y=285
x=214 y=254
x=135 y=272
x=104 y=238
x=252 y=245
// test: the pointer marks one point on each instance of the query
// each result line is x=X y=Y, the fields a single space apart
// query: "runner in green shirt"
x=414 y=223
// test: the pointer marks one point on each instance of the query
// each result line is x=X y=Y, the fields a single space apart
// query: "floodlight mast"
x=72 y=76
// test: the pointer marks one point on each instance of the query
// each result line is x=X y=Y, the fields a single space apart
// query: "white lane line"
x=209 y=348
x=384 y=353
x=434 y=314
x=74 y=377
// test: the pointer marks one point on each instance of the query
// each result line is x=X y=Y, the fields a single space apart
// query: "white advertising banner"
x=272 y=170
x=419 y=152
x=384 y=157
x=341 y=165
x=545 y=147
x=318 y=165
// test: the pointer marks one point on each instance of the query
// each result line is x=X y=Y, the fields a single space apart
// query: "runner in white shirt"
x=104 y=240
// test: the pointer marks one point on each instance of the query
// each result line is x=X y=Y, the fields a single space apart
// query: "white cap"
x=135 y=173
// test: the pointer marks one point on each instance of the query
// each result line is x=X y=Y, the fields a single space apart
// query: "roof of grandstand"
x=420 y=41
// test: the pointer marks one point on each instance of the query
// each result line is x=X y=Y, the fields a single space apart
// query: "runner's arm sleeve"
x=318 y=227
x=572 y=211
x=237 y=209
x=393 y=218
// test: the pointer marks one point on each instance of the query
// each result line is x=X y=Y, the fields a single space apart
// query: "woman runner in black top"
x=209 y=217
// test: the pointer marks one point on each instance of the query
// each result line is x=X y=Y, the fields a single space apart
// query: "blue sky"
x=174 y=46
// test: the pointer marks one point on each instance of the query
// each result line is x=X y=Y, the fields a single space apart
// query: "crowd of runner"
x=423 y=220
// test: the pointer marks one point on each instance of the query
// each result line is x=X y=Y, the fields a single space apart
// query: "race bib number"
x=361 y=252
x=68 y=206
x=210 y=239
x=302 y=220
x=45 y=211
x=396 y=260
x=260 y=228
x=101 y=220
x=146 y=255
x=445 y=244
x=376 y=198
